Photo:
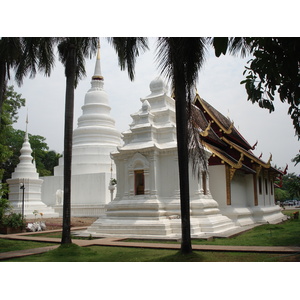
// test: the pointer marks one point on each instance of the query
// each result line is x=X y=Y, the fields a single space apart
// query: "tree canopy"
x=274 y=69
x=290 y=189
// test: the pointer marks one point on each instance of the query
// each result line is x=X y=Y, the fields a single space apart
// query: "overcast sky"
x=218 y=83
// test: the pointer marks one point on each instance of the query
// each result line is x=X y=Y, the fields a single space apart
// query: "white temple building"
x=92 y=168
x=147 y=203
x=25 y=186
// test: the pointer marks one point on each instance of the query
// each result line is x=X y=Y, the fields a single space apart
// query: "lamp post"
x=22 y=187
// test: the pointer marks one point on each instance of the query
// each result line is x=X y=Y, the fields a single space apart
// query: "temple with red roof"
x=241 y=183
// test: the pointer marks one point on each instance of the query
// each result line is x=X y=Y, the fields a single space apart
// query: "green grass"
x=284 y=234
x=14 y=245
x=74 y=253
x=119 y=254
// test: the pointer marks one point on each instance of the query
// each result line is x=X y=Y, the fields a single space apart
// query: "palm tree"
x=37 y=56
x=180 y=59
x=10 y=52
x=72 y=53
x=26 y=55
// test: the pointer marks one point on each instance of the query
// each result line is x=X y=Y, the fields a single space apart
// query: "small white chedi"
x=147 y=203
x=25 y=186
x=93 y=141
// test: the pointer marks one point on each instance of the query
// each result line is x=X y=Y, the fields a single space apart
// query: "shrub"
x=13 y=220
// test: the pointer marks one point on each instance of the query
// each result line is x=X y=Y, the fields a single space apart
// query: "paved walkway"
x=120 y=242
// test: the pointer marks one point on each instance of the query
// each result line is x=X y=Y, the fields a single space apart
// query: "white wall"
x=217 y=184
x=87 y=189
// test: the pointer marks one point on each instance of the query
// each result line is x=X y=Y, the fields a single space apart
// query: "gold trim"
x=258 y=169
x=246 y=153
x=96 y=77
x=222 y=128
x=232 y=171
x=205 y=132
x=224 y=158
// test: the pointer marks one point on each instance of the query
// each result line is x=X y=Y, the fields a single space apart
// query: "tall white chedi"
x=92 y=168
x=96 y=135
x=25 y=186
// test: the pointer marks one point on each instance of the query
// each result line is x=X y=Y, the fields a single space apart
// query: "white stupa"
x=25 y=186
x=92 y=168
x=147 y=203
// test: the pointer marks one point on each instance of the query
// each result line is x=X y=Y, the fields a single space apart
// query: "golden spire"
x=98 y=53
x=97 y=73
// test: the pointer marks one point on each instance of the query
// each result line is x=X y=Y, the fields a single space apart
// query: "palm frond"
x=128 y=49
x=197 y=152
x=239 y=46
x=83 y=47
x=185 y=56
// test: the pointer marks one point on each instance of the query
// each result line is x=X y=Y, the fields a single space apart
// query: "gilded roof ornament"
x=205 y=132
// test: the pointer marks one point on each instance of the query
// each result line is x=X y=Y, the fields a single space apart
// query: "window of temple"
x=259 y=185
x=139 y=182
x=266 y=185
x=204 y=183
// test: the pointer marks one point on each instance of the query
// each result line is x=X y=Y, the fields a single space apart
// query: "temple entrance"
x=139 y=182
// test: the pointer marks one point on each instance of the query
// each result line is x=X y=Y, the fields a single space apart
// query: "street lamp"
x=22 y=187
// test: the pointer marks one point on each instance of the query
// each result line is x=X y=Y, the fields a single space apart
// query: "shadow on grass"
x=179 y=257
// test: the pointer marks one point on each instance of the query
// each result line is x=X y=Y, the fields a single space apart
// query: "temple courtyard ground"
x=51 y=239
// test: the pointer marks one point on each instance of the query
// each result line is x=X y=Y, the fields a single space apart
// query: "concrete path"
x=120 y=242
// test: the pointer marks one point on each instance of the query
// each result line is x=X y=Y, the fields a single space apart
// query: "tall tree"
x=72 y=53
x=181 y=59
x=10 y=52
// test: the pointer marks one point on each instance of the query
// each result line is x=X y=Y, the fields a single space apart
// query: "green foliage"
x=15 y=245
x=45 y=160
x=13 y=220
x=290 y=188
x=12 y=103
x=291 y=183
x=4 y=208
x=296 y=159
x=281 y=195
x=275 y=69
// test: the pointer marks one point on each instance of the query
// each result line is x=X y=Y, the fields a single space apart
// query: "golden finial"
x=98 y=54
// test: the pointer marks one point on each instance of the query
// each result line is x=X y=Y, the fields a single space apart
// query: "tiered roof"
x=220 y=136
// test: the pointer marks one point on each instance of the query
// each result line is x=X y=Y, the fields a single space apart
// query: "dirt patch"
x=56 y=223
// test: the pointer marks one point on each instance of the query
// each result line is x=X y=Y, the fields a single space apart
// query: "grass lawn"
x=74 y=253
x=14 y=245
x=285 y=234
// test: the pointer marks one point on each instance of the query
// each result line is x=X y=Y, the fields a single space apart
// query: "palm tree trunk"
x=69 y=116
x=183 y=160
x=2 y=88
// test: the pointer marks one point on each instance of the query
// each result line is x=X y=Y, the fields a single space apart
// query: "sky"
x=218 y=83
